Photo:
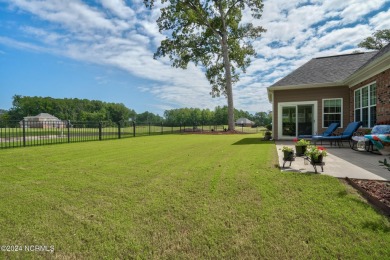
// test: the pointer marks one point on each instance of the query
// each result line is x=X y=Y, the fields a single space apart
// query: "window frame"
x=341 y=112
x=369 y=106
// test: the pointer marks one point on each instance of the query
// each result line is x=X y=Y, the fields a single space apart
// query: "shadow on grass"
x=257 y=140
x=342 y=193
x=376 y=226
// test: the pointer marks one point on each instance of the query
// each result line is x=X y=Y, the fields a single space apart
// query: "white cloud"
x=381 y=21
x=357 y=9
x=72 y=14
x=125 y=37
x=21 y=45
x=119 y=8
x=341 y=37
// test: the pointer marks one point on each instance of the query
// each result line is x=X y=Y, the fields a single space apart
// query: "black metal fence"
x=31 y=133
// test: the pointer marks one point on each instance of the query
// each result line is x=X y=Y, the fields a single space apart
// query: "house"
x=342 y=88
x=244 y=122
x=43 y=120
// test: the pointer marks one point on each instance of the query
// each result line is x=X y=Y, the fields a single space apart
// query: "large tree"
x=377 y=41
x=210 y=33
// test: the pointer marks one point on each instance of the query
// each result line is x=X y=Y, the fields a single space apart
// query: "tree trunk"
x=228 y=73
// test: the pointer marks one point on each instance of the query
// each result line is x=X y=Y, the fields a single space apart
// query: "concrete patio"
x=340 y=162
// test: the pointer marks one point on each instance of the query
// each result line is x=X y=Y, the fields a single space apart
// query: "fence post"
x=149 y=128
x=100 y=131
x=68 y=126
x=24 y=133
x=162 y=128
x=119 y=130
x=133 y=129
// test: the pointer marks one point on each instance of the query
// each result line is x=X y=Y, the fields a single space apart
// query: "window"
x=332 y=111
x=365 y=105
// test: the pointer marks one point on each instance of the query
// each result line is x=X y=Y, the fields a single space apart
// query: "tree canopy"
x=84 y=110
x=218 y=116
x=69 y=109
x=377 y=41
x=210 y=34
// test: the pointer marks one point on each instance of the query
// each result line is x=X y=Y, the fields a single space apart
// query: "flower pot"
x=318 y=160
x=288 y=156
x=300 y=150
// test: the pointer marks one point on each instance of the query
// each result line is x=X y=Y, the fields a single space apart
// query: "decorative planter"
x=288 y=156
x=267 y=136
x=300 y=150
x=318 y=160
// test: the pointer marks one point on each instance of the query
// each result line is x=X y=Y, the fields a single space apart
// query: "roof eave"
x=271 y=89
x=302 y=86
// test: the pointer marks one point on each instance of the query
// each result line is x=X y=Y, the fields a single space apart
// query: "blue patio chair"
x=344 y=136
x=328 y=132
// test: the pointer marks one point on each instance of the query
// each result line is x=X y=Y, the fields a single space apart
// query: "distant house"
x=244 y=122
x=342 y=89
x=43 y=120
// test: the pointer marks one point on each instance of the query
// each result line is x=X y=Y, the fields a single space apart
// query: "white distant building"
x=43 y=120
x=245 y=122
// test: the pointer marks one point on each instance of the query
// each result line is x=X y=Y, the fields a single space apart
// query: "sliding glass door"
x=289 y=121
x=297 y=119
x=305 y=119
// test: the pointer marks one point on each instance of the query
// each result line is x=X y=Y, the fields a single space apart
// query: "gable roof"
x=340 y=70
x=378 y=55
x=42 y=116
x=243 y=120
x=332 y=69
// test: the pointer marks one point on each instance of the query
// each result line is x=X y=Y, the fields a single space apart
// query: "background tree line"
x=196 y=116
x=93 y=110
x=68 y=109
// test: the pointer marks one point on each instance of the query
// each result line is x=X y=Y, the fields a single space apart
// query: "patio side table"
x=361 y=143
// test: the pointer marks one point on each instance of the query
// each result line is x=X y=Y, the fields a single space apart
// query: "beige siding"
x=312 y=94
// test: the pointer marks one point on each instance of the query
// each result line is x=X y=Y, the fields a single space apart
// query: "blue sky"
x=103 y=50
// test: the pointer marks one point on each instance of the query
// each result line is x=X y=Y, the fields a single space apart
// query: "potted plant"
x=316 y=153
x=288 y=153
x=267 y=136
x=300 y=146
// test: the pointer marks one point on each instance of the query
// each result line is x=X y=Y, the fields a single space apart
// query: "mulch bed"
x=377 y=189
x=376 y=192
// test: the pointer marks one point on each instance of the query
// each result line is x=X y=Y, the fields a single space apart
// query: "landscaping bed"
x=378 y=190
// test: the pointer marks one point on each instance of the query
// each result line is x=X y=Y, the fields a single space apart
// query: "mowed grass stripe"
x=179 y=196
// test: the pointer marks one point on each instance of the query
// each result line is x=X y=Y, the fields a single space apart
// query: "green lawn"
x=179 y=196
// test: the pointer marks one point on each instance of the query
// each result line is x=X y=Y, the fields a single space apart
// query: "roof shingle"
x=332 y=69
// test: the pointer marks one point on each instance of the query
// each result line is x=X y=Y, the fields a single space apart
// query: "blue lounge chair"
x=328 y=132
x=345 y=136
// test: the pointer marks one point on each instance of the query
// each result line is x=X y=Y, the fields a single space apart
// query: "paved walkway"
x=340 y=162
